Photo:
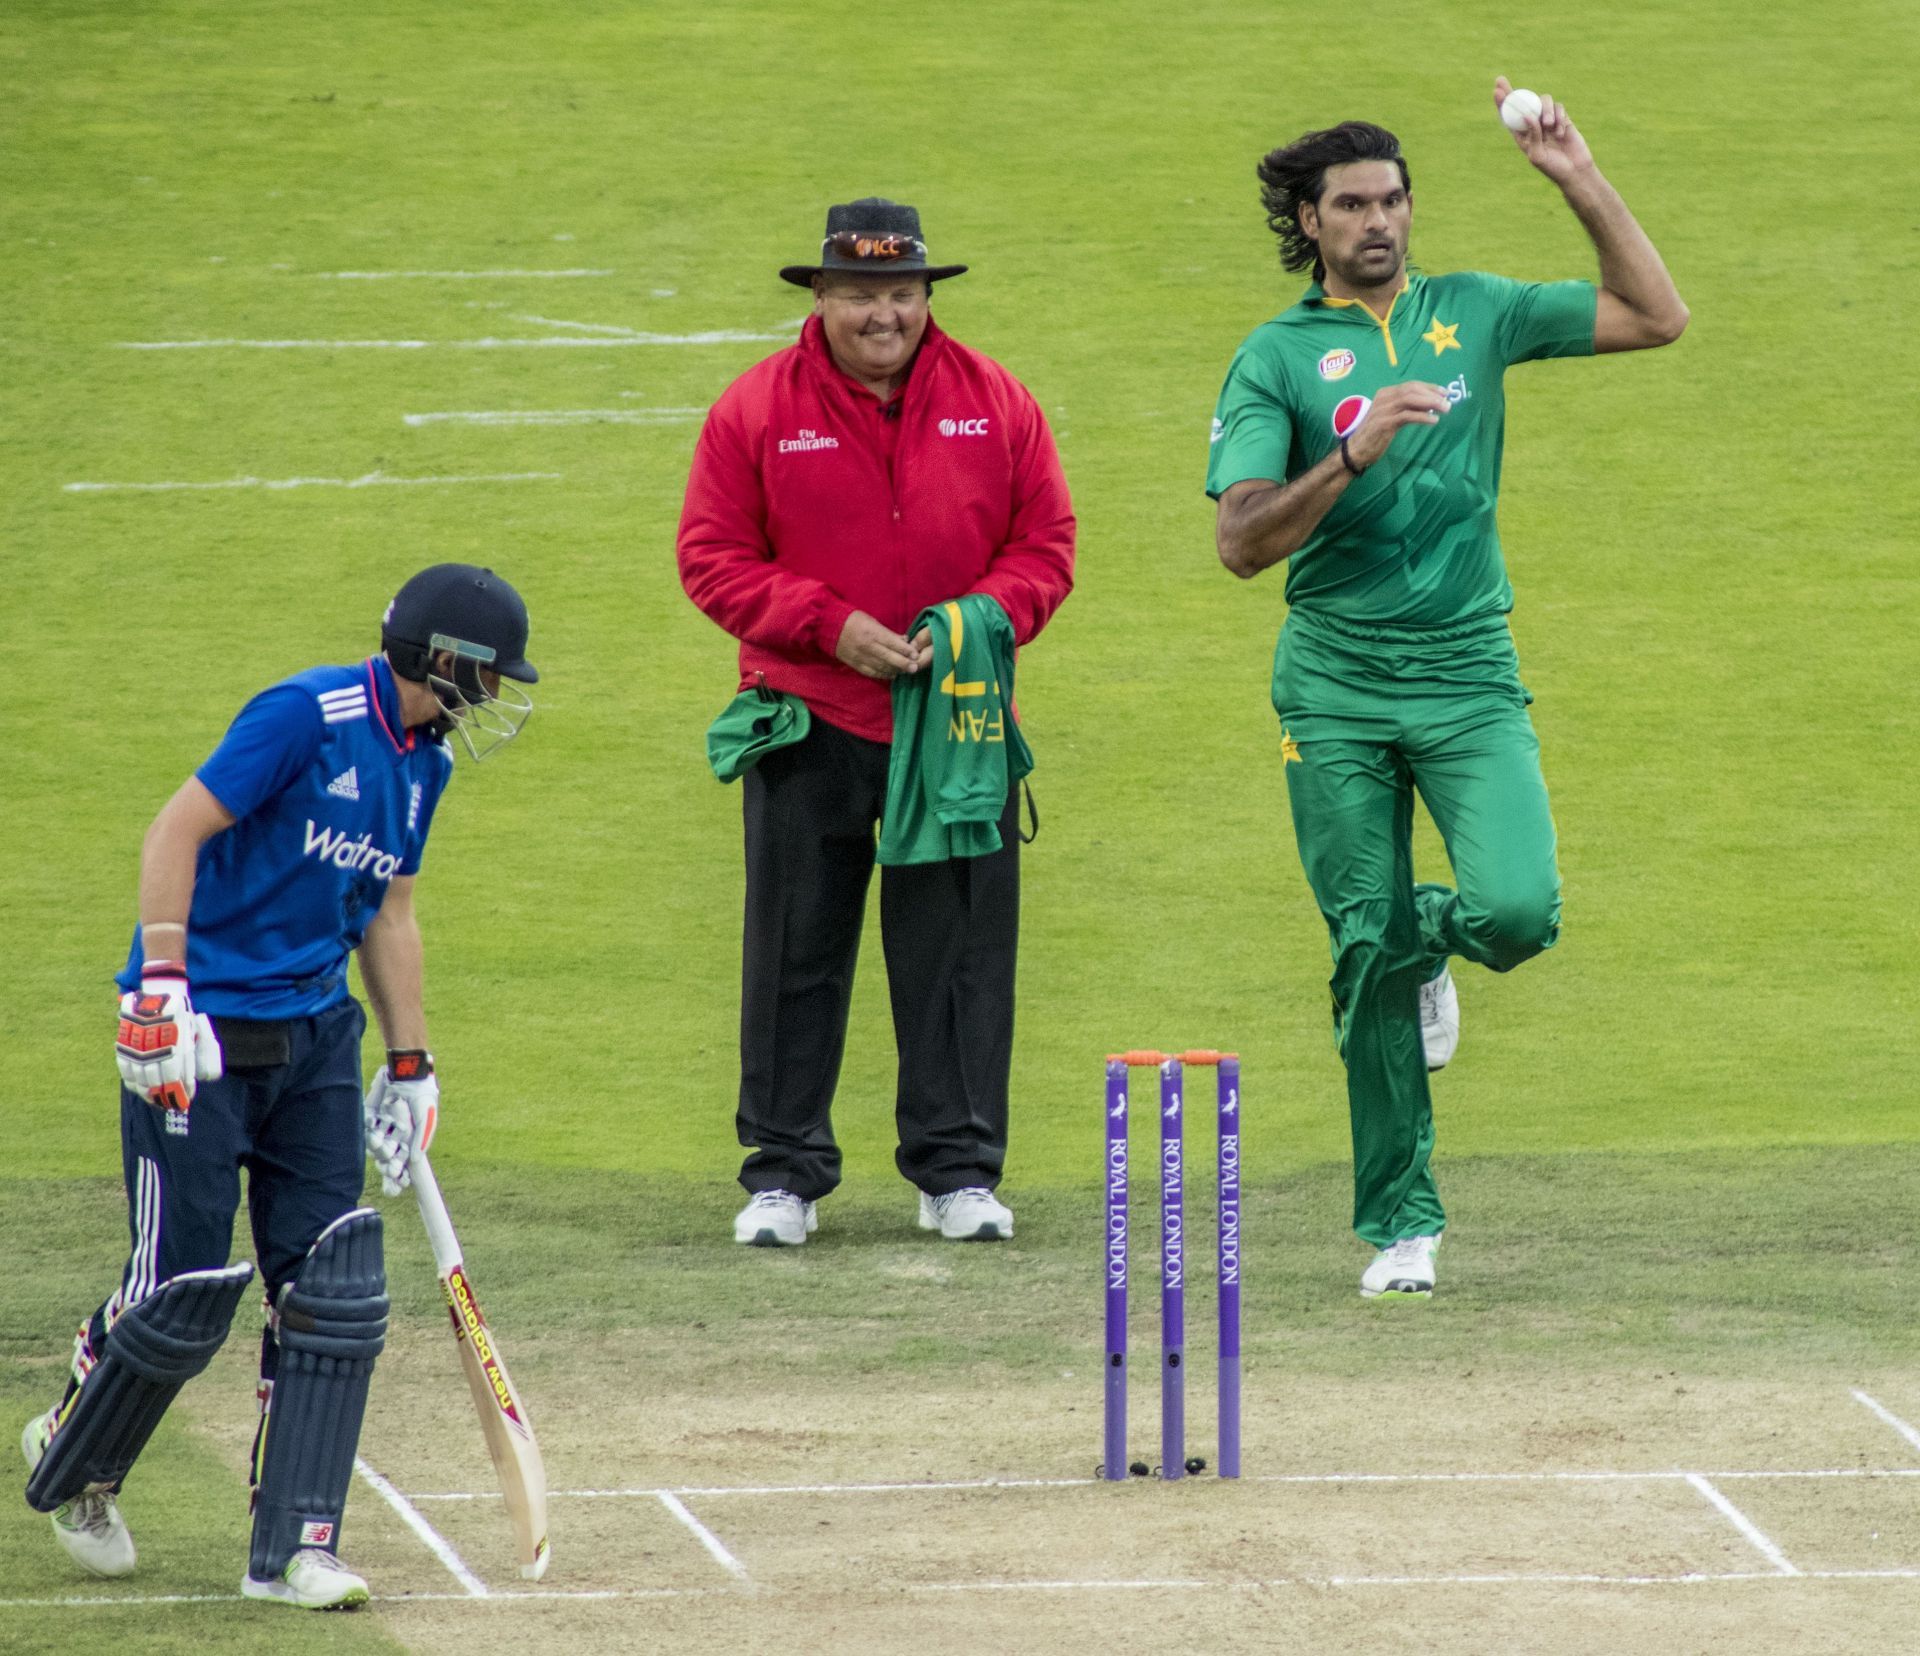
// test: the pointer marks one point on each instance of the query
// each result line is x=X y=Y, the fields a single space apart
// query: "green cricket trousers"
x=1368 y=714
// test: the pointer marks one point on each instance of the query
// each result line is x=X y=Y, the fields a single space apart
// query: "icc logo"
x=963 y=428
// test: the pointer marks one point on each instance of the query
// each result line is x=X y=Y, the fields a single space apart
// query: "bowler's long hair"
x=1297 y=173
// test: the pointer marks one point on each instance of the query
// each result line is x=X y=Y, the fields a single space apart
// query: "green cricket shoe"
x=1402 y=1271
x=312 y=1580
x=89 y=1526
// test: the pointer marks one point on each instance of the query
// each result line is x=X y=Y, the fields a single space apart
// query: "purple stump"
x=1173 y=1275
x=1229 y=1212
x=1115 y=1465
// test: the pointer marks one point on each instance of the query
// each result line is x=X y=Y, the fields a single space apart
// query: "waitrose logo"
x=354 y=855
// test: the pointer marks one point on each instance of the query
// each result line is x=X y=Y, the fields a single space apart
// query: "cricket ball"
x=1520 y=108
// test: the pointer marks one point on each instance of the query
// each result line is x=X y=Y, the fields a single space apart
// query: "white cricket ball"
x=1520 y=107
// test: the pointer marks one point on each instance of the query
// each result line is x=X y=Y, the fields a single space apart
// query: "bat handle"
x=433 y=1213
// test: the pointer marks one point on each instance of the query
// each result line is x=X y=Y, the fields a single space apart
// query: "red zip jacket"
x=808 y=502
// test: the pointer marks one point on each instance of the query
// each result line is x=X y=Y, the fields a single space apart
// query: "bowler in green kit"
x=1358 y=439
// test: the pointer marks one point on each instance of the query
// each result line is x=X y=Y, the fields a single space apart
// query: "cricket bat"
x=503 y=1417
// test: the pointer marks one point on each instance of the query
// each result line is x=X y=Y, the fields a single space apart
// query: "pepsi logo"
x=1336 y=365
x=1348 y=413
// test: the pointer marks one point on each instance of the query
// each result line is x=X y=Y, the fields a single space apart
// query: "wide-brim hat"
x=871 y=237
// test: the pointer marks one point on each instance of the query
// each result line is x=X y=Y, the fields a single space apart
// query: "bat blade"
x=504 y=1421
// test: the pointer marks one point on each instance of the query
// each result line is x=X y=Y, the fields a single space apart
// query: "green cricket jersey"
x=1413 y=542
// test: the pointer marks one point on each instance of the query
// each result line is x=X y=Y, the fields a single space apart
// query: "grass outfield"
x=1711 y=546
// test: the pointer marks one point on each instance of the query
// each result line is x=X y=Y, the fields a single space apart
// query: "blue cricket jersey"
x=332 y=798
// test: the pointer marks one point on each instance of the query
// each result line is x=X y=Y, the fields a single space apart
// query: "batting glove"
x=403 y=1108
x=164 y=1047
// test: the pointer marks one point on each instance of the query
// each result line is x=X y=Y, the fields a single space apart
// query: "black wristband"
x=1346 y=460
x=408 y=1064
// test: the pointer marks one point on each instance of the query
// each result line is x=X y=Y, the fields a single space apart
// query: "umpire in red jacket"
x=839 y=488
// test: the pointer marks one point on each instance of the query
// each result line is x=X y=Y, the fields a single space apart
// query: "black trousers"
x=949 y=931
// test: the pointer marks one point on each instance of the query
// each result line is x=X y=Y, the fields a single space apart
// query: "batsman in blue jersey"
x=296 y=844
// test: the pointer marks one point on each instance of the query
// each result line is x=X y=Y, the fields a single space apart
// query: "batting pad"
x=153 y=1349
x=331 y=1323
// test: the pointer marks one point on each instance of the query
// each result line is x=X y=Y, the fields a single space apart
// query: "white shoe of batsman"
x=1439 y=1019
x=1403 y=1271
x=312 y=1580
x=89 y=1526
x=775 y=1219
x=970 y=1215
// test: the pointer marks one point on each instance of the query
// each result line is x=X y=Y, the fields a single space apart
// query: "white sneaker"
x=775 y=1219
x=970 y=1215
x=312 y=1580
x=1403 y=1271
x=89 y=1526
x=1439 y=1019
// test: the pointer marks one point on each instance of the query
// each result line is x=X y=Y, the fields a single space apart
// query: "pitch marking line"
x=707 y=1538
x=1892 y=1419
x=410 y=1516
x=1756 y=1536
x=556 y=416
x=613 y=329
x=533 y=1595
x=371 y=480
x=1270 y=1477
x=451 y=275
x=713 y=336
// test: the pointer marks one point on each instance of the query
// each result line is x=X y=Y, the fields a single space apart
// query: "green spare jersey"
x=1413 y=542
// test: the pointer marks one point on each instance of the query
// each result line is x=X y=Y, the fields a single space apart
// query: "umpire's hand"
x=879 y=652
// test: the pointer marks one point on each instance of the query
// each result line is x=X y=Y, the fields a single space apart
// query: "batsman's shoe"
x=1439 y=1019
x=1403 y=1271
x=312 y=1580
x=89 y=1526
x=970 y=1215
x=775 y=1219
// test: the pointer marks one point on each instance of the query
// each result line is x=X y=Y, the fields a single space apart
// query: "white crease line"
x=1520 y=1578
x=1068 y=1586
x=506 y=1595
x=617 y=330
x=772 y=1489
x=1691 y=1578
x=556 y=416
x=1892 y=1419
x=708 y=1539
x=435 y=1542
x=517 y=1595
x=448 y=275
x=371 y=480
x=1756 y=1536
x=88 y=1603
x=1832 y=1472
x=1267 y=1477
x=714 y=336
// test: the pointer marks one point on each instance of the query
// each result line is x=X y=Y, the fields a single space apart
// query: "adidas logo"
x=346 y=785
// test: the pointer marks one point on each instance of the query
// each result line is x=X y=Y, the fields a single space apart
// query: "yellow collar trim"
x=1383 y=322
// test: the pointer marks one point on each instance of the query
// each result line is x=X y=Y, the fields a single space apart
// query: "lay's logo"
x=1348 y=413
x=1336 y=365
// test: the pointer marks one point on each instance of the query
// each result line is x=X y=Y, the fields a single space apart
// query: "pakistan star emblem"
x=1440 y=336
x=1289 y=749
